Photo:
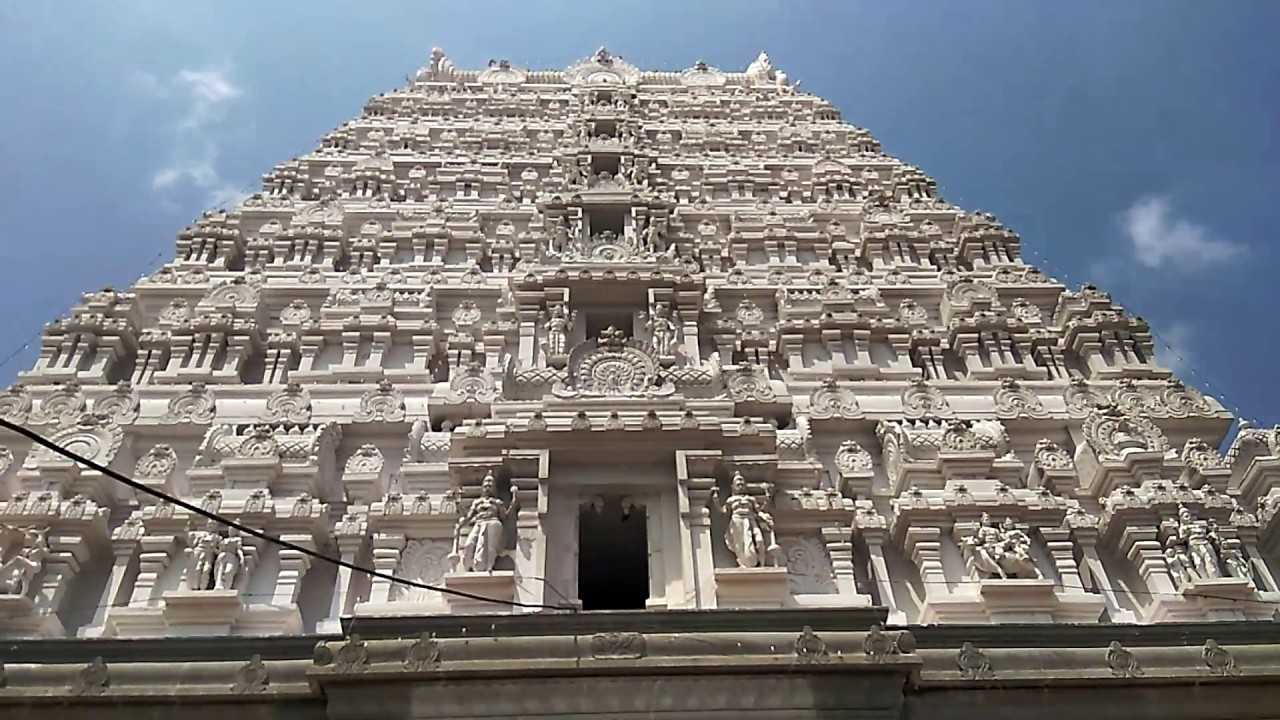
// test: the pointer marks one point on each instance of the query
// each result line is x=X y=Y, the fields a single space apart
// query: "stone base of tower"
x=499 y=585
x=203 y=613
x=760 y=587
x=19 y=619
x=1013 y=601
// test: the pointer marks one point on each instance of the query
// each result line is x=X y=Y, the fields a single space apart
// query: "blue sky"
x=1132 y=144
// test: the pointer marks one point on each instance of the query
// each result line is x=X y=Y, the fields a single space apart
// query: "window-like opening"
x=600 y=320
x=601 y=163
x=613 y=556
x=602 y=220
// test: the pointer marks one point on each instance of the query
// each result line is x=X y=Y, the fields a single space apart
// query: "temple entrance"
x=613 y=555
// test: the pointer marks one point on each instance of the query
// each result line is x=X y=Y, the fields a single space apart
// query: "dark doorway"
x=613 y=556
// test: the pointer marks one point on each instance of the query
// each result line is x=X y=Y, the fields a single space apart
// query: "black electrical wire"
x=254 y=532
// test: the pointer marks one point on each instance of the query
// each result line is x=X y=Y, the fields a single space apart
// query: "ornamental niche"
x=614 y=366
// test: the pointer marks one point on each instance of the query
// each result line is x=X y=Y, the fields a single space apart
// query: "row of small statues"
x=1195 y=550
x=21 y=553
x=749 y=534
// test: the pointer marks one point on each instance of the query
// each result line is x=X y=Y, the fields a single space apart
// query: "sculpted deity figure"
x=417 y=431
x=1195 y=536
x=750 y=533
x=557 y=329
x=24 y=552
x=1175 y=556
x=204 y=546
x=1237 y=565
x=227 y=567
x=662 y=330
x=487 y=517
x=1002 y=551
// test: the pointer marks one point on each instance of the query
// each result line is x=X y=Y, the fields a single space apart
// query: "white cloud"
x=1173 y=347
x=1160 y=239
x=204 y=95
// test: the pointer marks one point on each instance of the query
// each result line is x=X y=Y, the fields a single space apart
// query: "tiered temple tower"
x=609 y=339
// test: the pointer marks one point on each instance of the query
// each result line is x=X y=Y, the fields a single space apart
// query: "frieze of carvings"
x=1013 y=400
x=383 y=403
x=472 y=384
x=613 y=366
x=831 y=401
x=1197 y=549
x=251 y=678
x=423 y=654
x=196 y=406
x=925 y=450
x=618 y=646
x=64 y=406
x=295 y=444
x=400 y=504
x=16 y=404
x=920 y=399
x=749 y=382
x=122 y=405
x=291 y=404
x=426 y=562
x=879 y=646
x=809 y=568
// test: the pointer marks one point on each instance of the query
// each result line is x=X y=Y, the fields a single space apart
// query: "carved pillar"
x=349 y=547
x=124 y=551
x=157 y=553
x=293 y=566
x=875 y=534
x=1147 y=555
x=531 y=567
x=925 y=546
x=1062 y=552
x=59 y=567
x=1091 y=569
x=840 y=548
x=386 y=555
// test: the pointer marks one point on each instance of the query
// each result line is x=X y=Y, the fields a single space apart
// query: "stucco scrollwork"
x=290 y=404
x=196 y=405
x=64 y=406
x=1050 y=456
x=809 y=568
x=749 y=382
x=366 y=459
x=381 y=404
x=1113 y=433
x=122 y=405
x=1081 y=399
x=921 y=399
x=613 y=366
x=852 y=458
x=159 y=462
x=16 y=404
x=829 y=400
x=1015 y=400
x=472 y=384
x=425 y=561
x=618 y=646
x=93 y=437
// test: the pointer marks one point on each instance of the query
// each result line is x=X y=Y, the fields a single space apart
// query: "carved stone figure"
x=662 y=331
x=749 y=535
x=204 y=546
x=22 y=553
x=1002 y=551
x=486 y=540
x=557 y=329
x=230 y=562
x=416 y=452
x=1195 y=550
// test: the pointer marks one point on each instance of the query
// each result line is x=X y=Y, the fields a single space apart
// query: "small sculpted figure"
x=750 y=533
x=487 y=516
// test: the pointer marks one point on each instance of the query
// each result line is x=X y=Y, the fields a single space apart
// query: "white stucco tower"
x=604 y=338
